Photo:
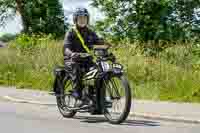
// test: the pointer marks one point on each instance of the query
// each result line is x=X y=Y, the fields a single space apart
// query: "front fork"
x=101 y=90
x=100 y=94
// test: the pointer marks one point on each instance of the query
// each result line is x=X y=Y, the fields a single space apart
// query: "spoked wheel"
x=118 y=94
x=65 y=101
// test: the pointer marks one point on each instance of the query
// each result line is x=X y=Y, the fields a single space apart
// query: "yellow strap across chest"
x=83 y=42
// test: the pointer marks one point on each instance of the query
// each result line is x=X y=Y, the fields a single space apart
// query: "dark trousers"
x=77 y=72
x=78 y=68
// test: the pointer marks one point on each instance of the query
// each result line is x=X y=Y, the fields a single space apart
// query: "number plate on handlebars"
x=119 y=66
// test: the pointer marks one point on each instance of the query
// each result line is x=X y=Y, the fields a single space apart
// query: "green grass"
x=30 y=68
x=161 y=77
x=173 y=75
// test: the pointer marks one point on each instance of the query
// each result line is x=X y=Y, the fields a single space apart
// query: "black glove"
x=75 y=56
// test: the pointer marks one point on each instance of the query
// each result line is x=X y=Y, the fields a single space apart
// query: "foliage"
x=7 y=37
x=45 y=17
x=5 y=13
x=146 y=20
x=38 y=16
x=25 y=42
x=30 y=65
x=174 y=74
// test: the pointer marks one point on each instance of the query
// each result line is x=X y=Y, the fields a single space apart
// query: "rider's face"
x=82 y=21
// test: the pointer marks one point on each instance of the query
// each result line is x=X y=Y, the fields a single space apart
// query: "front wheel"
x=64 y=101
x=117 y=99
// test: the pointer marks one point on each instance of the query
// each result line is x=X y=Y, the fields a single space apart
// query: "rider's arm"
x=100 y=41
x=67 y=49
x=97 y=40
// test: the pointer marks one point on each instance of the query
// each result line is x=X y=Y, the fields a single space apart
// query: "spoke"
x=69 y=83
x=116 y=91
x=68 y=100
x=115 y=88
x=110 y=93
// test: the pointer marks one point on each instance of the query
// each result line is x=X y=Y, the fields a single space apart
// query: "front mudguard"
x=99 y=106
x=100 y=91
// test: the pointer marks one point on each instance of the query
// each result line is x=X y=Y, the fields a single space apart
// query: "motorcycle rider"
x=73 y=46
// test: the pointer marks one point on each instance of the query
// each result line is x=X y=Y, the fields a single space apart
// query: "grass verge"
x=173 y=74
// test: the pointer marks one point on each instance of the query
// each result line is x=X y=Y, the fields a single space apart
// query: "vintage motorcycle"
x=106 y=89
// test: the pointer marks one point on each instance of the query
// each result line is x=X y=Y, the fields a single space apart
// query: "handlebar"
x=84 y=55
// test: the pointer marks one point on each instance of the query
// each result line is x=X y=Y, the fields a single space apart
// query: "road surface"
x=29 y=118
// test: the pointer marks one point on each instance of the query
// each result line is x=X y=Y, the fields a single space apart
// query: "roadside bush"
x=173 y=74
x=7 y=37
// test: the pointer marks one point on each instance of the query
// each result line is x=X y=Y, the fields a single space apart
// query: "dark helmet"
x=80 y=12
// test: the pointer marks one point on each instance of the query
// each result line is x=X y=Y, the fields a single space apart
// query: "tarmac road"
x=29 y=118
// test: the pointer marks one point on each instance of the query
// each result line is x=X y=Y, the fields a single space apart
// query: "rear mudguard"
x=55 y=86
x=59 y=74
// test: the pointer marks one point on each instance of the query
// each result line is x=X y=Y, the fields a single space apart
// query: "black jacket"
x=73 y=43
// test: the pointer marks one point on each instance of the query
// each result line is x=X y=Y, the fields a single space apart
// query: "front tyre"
x=117 y=99
x=64 y=101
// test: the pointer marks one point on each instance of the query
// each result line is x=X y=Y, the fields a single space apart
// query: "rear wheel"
x=118 y=94
x=64 y=100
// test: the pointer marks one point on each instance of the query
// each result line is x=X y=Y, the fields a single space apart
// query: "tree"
x=20 y=7
x=8 y=8
x=4 y=12
x=55 y=18
x=37 y=16
x=147 y=19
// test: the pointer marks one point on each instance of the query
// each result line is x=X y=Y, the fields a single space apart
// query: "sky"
x=14 y=25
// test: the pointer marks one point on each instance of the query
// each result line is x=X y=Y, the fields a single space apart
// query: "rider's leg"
x=76 y=78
